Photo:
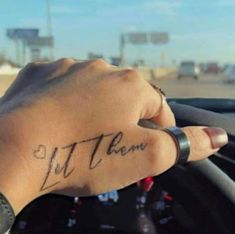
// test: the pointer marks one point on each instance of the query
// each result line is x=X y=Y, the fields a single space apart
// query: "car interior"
x=155 y=37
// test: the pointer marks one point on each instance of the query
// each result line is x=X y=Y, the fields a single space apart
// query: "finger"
x=152 y=103
x=204 y=142
x=165 y=118
x=156 y=108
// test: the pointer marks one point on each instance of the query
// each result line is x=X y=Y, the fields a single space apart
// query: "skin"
x=72 y=128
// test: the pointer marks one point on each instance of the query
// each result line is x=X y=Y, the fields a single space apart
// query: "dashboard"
x=130 y=210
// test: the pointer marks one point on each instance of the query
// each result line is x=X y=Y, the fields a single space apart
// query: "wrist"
x=16 y=183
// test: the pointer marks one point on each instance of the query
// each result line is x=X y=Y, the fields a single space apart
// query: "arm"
x=72 y=128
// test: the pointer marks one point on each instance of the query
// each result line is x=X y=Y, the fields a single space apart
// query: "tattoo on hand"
x=60 y=158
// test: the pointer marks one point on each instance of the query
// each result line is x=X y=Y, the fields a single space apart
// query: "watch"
x=7 y=215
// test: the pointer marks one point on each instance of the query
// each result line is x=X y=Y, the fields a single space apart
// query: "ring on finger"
x=182 y=143
x=162 y=96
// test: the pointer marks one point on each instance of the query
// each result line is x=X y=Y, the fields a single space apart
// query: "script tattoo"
x=60 y=159
x=59 y=169
x=115 y=148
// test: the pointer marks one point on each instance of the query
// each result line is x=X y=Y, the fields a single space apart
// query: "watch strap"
x=7 y=215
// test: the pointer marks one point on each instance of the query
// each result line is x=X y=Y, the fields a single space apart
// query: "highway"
x=208 y=85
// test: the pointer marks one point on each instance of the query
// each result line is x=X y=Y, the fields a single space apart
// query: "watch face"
x=7 y=216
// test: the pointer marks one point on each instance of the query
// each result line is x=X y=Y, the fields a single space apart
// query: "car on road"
x=212 y=68
x=229 y=74
x=188 y=69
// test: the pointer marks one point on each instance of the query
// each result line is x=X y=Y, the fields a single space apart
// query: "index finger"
x=157 y=108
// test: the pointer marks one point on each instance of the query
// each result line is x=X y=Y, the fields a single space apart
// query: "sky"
x=201 y=30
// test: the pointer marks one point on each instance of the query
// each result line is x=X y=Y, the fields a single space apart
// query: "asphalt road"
x=208 y=85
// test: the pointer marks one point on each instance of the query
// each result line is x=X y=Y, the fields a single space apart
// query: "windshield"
x=154 y=36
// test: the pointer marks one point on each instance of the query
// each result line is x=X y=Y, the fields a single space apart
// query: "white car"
x=229 y=74
x=188 y=69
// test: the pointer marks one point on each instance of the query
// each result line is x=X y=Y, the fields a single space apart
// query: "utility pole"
x=49 y=26
x=122 y=50
x=17 y=47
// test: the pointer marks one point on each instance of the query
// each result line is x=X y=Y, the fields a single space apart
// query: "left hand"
x=72 y=128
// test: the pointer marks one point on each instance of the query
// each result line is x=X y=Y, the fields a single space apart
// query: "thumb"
x=140 y=152
x=205 y=141
x=162 y=150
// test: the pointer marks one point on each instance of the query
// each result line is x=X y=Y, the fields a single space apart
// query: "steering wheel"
x=205 y=191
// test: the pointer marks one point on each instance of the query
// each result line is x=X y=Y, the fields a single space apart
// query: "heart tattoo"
x=40 y=152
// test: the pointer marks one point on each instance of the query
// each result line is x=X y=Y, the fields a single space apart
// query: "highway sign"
x=40 y=41
x=137 y=38
x=159 y=38
x=140 y=38
x=22 y=33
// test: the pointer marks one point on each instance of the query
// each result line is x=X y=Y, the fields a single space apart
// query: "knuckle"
x=30 y=68
x=31 y=65
x=98 y=63
x=65 y=61
x=191 y=134
x=130 y=75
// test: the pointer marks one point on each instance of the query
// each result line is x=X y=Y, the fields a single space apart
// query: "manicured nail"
x=218 y=136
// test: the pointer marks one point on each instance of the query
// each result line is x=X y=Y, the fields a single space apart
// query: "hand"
x=72 y=128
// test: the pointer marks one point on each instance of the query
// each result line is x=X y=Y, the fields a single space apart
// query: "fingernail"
x=218 y=137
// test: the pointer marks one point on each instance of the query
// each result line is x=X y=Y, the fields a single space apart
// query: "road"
x=207 y=86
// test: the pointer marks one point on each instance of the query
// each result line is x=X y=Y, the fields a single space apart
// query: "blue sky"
x=199 y=30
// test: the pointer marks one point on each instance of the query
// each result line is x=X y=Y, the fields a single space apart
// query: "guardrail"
x=156 y=73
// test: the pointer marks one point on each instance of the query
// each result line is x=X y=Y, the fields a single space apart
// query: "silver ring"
x=162 y=96
x=182 y=143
